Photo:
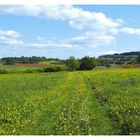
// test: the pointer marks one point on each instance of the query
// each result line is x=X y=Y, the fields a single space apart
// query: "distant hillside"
x=131 y=53
x=121 y=54
x=122 y=58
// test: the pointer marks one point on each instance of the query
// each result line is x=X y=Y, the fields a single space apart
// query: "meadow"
x=98 y=102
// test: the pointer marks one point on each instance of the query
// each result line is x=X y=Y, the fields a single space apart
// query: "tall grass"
x=99 y=102
x=118 y=92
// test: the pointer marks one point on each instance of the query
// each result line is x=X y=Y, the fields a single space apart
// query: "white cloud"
x=103 y=52
x=77 y=17
x=111 y=52
x=93 y=39
x=132 y=31
x=10 y=33
x=30 y=10
x=10 y=38
x=48 y=46
x=97 y=28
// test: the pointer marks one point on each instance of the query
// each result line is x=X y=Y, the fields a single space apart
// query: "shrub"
x=55 y=68
x=28 y=71
x=108 y=66
x=127 y=66
x=138 y=59
x=87 y=63
x=72 y=63
x=34 y=70
x=3 y=71
x=47 y=69
x=39 y=70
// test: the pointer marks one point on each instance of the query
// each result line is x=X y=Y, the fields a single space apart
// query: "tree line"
x=85 y=63
x=72 y=64
x=25 y=60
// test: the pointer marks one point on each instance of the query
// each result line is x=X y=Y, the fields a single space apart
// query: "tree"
x=72 y=63
x=87 y=63
x=8 y=61
x=138 y=59
x=108 y=66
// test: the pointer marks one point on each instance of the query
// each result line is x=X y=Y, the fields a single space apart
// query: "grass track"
x=70 y=103
x=82 y=114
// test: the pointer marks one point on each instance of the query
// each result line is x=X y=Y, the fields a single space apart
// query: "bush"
x=28 y=71
x=34 y=70
x=72 y=63
x=127 y=66
x=47 y=69
x=39 y=70
x=87 y=63
x=55 y=68
x=138 y=59
x=108 y=66
x=3 y=71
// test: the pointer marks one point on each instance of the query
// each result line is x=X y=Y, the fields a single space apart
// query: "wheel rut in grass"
x=102 y=124
x=50 y=109
x=82 y=115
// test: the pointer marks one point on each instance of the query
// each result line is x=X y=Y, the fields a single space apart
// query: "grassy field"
x=25 y=68
x=100 y=102
x=15 y=69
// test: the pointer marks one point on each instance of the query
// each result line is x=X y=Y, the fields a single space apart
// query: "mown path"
x=82 y=114
x=72 y=109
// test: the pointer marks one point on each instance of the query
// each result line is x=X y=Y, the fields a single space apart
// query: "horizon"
x=70 y=56
x=61 y=31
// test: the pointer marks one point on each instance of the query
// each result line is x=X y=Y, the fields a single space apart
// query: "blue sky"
x=63 y=31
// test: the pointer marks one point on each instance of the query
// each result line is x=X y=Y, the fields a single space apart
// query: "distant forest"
x=27 y=60
x=122 y=58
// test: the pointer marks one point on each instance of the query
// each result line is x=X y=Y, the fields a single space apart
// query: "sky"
x=61 y=31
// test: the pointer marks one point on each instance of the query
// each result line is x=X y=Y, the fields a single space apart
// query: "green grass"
x=100 y=102
x=46 y=62
x=118 y=91
x=51 y=62
x=23 y=69
x=16 y=69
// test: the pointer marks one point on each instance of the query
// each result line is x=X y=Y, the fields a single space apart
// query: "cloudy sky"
x=63 y=31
